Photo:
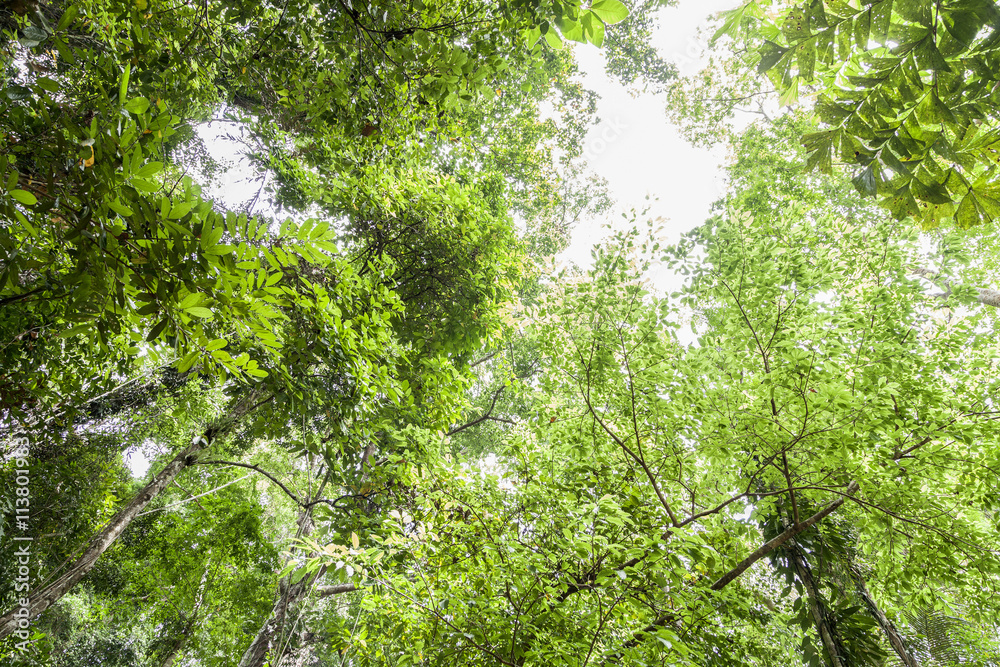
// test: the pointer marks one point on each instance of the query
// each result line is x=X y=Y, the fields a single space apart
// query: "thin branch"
x=261 y=471
x=484 y=417
x=187 y=500
x=338 y=589
x=773 y=544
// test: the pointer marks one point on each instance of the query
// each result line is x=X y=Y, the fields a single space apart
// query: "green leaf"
x=572 y=30
x=45 y=83
x=123 y=86
x=770 y=54
x=145 y=186
x=119 y=208
x=68 y=17
x=192 y=299
x=188 y=360
x=593 y=29
x=211 y=237
x=74 y=331
x=790 y=95
x=137 y=105
x=157 y=330
x=866 y=182
x=731 y=23
x=24 y=197
x=149 y=169
x=16 y=93
x=199 y=311
x=178 y=211
x=32 y=36
x=609 y=11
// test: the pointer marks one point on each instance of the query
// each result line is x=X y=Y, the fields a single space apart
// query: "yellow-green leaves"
x=24 y=197
x=609 y=11
x=137 y=105
x=909 y=83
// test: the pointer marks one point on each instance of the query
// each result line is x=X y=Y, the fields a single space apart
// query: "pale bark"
x=985 y=296
x=42 y=599
x=268 y=637
x=192 y=619
x=788 y=534
x=824 y=627
x=301 y=654
x=734 y=573
x=171 y=655
x=289 y=596
x=338 y=589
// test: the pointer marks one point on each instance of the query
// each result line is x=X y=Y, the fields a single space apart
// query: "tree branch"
x=773 y=544
x=271 y=477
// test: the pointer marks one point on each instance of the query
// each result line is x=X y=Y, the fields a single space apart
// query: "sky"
x=637 y=150
x=634 y=147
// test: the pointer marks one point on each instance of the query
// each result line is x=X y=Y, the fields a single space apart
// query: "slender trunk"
x=776 y=542
x=268 y=637
x=824 y=626
x=299 y=656
x=289 y=596
x=891 y=633
x=44 y=598
x=192 y=619
x=733 y=574
x=178 y=645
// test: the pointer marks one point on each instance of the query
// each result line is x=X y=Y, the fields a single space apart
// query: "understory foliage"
x=380 y=432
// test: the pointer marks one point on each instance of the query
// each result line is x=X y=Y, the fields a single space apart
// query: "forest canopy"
x=389 y=422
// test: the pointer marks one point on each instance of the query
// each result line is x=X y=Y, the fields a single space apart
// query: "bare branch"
x=261 y=471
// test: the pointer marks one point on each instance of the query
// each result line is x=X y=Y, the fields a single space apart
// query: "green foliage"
x=356 y=363
x=905 y=91
x=635 y=483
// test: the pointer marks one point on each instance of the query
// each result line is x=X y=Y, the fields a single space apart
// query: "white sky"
x=638 y=150
x=634 y=147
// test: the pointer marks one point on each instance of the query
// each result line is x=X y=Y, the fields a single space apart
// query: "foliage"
x=905 y=91
x=401 y=439
x=613 y=524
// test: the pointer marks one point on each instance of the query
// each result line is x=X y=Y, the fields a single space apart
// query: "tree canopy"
x=381 y=429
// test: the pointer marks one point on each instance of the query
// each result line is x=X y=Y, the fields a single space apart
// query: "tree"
x=616 y=527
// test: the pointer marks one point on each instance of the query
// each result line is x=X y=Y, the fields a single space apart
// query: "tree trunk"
x=265 y=642
x=774 y=543
x=192 y=619
x=301 y=654
x=824 y=626
x=289 y=597
x=891 y=633
x=171 y=655
x=41 y=600
x=987 y=297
